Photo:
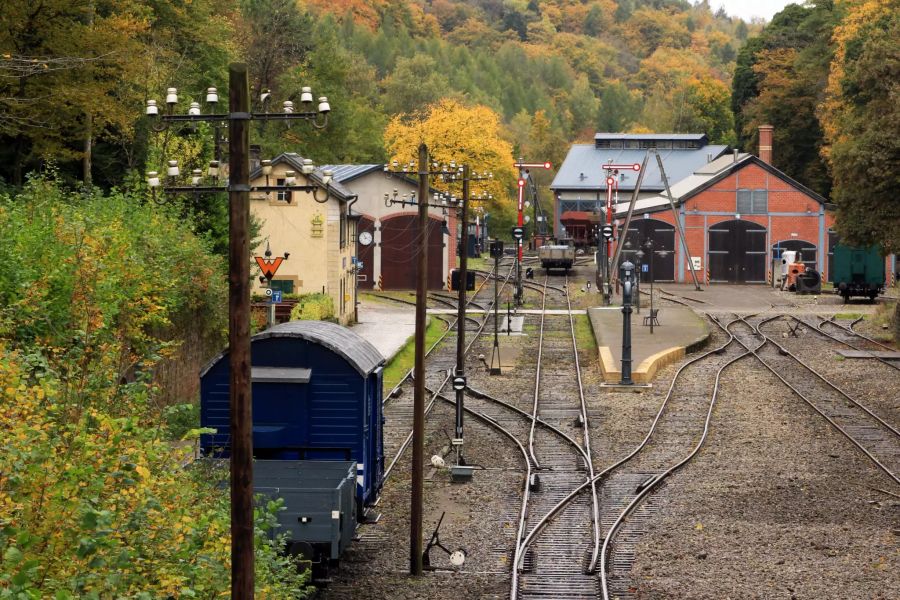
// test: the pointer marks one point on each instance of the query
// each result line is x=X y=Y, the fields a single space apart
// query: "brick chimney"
x=765 y=143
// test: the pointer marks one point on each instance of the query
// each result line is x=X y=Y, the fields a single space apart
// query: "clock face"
x=365 y=238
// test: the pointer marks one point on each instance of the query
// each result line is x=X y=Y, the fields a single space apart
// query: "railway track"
x=440 y=362
x=877 y=439
x=557 y=564
x=676 y=435
x=851 y=339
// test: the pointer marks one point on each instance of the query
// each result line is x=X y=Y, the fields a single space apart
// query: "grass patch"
x=584 y=334
x=848 y=316
x=404 y=360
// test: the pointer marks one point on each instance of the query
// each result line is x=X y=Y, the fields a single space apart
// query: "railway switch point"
x=534 y=483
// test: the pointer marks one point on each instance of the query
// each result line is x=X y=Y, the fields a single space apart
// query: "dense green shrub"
x=95 y=499
x=313 y=307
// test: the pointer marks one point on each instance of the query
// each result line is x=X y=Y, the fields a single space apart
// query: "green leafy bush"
x=313 y=307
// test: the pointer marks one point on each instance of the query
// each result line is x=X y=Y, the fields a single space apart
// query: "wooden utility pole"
x=239 y=334
x=461 y=306
x=418 y=440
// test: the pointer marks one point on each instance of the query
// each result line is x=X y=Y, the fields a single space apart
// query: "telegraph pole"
x=461 y=314
x=418 y=440
x=239 y=334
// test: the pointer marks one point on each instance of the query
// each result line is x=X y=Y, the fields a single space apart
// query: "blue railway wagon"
x=317 y=390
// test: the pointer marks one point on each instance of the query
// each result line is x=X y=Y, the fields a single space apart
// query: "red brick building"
x=738 y=213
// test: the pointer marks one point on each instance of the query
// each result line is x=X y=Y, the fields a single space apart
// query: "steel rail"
x=856 y=333
x=430 y=405
x=650 y=486
x=537 y=379
x=847 y=396
x=818 y=328
x=834 y=424
x=529 y=539
x=484 y=396
x=526 y=488
x=587 y=440
x=437 y=342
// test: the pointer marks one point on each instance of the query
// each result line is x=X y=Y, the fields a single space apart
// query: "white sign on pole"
x=697 y=262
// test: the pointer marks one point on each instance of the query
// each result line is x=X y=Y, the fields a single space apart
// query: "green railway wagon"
x=857 y=271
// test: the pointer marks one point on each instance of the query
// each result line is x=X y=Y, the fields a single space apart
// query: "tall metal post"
x=627 y=283
x=461 y=309
x=523 y=178
x=239 y=334
x=418 y=440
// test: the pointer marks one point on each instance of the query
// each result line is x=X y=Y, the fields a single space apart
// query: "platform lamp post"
x=238 y=187
x=639 y=255
x=627 y=288
x=649 y=246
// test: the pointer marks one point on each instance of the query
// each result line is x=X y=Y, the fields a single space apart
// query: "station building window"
x=752 y=202
x=285 y=286
x=282 y=195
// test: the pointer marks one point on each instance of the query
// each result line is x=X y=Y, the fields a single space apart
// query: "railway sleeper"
x=528 y=561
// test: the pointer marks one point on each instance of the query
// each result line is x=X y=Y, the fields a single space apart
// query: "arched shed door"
x=737 y=252
x=662 y=264
x=399 y=245
x=366 y=252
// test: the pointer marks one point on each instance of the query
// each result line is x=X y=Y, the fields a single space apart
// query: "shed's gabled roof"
x=704 y=178
x=335 y=188
x=581 y=170
x=356 y=350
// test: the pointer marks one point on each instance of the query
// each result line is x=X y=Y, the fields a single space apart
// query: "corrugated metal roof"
x=355 y=349
x=696 y=137
x=344 y=173
x=581 y=170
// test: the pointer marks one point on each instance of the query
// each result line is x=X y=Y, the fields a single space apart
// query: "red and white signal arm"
x=631 y=167
x=543 y=165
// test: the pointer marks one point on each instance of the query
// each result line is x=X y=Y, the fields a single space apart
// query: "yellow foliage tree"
x=455 y=132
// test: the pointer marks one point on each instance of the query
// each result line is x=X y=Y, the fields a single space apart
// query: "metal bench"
x=651 y=318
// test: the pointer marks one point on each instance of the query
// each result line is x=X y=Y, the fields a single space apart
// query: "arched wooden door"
x=399 y=245
x=737 y=252
x=366 y=252
x=661 y=266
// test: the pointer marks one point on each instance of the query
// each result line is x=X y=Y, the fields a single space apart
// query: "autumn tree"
x=779 y=80
x=464 y=134
x=861 y=121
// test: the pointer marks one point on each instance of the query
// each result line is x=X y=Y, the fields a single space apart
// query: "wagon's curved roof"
x=356 y=350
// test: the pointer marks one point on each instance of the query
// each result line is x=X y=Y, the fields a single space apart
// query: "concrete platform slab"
x=679 y=330
x=386 y=326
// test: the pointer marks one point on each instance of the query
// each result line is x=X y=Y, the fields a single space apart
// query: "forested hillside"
x=76 y=73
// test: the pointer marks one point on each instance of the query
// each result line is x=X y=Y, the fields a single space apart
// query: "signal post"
x=612 y=186
x=523 y=179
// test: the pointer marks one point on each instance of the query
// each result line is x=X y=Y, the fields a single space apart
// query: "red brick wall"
x=722 y=198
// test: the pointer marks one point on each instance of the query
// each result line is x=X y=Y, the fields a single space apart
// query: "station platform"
x=679 y=330
x=386 y=326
